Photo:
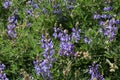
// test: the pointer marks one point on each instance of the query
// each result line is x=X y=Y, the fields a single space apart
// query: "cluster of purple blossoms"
x=87 y=40
x=33 y=5
x=109 y=8
x=44 y=67
x=108 y=23
x=57 y=32
x=66 y=45
x=57 y=9
x=2 y=74
x=30 y=10
x=95 y=74
x=12 y=20
x=76 y=34
x=7 y=3
x=110 y=29
x=47 y=44
x=103 y=16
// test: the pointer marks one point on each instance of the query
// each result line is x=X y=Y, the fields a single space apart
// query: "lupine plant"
x=59 y=39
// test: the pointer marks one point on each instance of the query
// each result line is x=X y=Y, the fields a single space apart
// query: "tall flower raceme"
x=2 y=74
x=95 y=74
x=33 y=5
x=108 y=23
x=87 y=40
x=66 y=45
x=12 y=23
x=58 y=32
x=76 y=33
x=30 y=11
x=44 y=67
x=57 y=9
x=7 y=3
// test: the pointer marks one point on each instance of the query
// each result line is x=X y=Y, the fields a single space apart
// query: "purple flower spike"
x=108 y=23
x=11 y=27
x=107 y=8
x=76 y=34
x=2 y=75
x=101 y=23
x=44 y=67
x=117 y=21
x=97 y=16
x=66 y=47
x=87 y=40
x=7 y=3
x=95 y=74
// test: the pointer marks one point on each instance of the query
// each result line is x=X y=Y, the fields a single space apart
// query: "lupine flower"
x=57 y=32
x=107 y=8
x=2 y=74
x=12 y=25
x=29 y=12
x=97 y=16
x=108 y=23
x=95 y=74
x=104 y=16
x=56 y=6
x=44 y=67
x=65 y=36
x=66 y=47
x=31 y=2
x=76 y=34
x=112 y=22
x=117 y=21
x=110 y=29
x=57 y=10
x=101 y=23
x=110 y=32
x=11 y=31
x=35 y=6
x=87 y=40
x=12 y=19
x=7 y=3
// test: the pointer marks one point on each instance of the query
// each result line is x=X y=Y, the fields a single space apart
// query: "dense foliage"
x=59 y=39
